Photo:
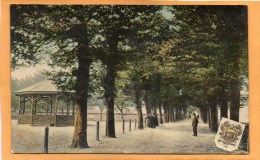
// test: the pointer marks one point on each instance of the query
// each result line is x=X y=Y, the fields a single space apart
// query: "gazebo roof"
x=44 y=87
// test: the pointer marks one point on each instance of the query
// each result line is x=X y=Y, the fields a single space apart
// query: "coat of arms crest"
x=229 y=134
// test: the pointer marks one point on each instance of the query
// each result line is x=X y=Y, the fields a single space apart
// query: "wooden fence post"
x=97 y=136
x=123 y=126
x=130 y=125
x=135 y=124
x=46 y=139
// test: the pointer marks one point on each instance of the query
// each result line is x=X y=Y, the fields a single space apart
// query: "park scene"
x=127 y=78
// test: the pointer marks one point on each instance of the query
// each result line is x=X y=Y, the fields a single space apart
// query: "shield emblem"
x=229 y=134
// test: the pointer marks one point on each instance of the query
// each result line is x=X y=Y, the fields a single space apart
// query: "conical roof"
x=44 y=87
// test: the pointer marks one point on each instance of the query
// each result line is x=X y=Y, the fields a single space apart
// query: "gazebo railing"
x=43 y=119
x=24 y=119
x=53 y=120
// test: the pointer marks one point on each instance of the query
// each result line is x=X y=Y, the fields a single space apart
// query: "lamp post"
x=178 y=110
x=180 y=92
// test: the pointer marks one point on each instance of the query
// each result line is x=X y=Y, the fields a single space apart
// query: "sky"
x=24 y=72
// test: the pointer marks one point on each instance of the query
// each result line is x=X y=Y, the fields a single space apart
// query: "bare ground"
x=170 y=138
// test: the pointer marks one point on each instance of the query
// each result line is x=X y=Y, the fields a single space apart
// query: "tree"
x=147 y=45
x=229 y=47
x=97 y=74
x=116 y=48
x=65 y=31
x=88 y=47
x=235 y=39
x=122 y=102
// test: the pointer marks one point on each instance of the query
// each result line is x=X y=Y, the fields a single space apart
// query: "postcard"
x=129 y=80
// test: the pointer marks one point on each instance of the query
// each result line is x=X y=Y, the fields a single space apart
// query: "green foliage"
x=198 y=49
x=123 y=102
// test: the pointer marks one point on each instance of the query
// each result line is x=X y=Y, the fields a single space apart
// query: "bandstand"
x=48 y=94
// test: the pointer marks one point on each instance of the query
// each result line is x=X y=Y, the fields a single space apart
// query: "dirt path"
x=175 y=138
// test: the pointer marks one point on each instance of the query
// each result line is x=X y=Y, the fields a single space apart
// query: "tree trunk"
x=204 y=114
x=185 y=112
x=201 y=114
x=177 y=113
x=147 y=104
x=111 y=60
x=80 y=129
x=158 y=97
x=214 y=118
x=81 y=88
x=101 y=116
x=166 y=113
x=155 y=115
x=160 y=112
x=223 y=104
x=209 y=117
x=172 y=114
x=109 y=97
x=224 y=109
x=138 y=103
x=235 y=100
x=122 y=115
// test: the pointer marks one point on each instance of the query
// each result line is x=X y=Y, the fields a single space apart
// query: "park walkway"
x=167 y=138
x=170 y=138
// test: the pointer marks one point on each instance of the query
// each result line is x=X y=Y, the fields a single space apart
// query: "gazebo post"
x=55 y=105
x=23 y=105
x=32 y=105
x=67 y=111
x=55 y=109
x=69 y=107
x=21 y=108
x=20 y=105
x=35 y=103
x=51 y=107
x=73 y=108
x=47 y=106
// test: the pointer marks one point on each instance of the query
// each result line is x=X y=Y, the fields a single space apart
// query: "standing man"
x=195 y=125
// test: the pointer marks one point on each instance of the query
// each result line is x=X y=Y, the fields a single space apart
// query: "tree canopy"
x=170 y=57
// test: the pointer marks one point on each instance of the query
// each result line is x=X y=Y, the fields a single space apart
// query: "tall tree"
x=233 y=27
x=64 y=30
x=116 y=48
x=225 y=28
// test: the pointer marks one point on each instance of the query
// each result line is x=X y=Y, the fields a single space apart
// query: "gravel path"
x=170 y=138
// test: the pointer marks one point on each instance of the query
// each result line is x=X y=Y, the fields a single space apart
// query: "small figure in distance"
x=154 y=121
x=150 y=121
x=195 y=125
